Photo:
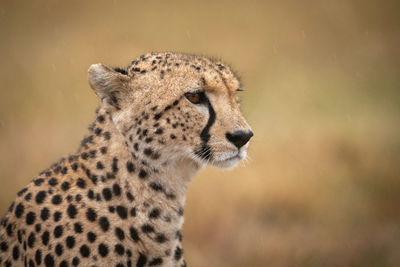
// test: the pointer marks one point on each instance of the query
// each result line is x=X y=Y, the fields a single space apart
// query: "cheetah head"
x=175 y=105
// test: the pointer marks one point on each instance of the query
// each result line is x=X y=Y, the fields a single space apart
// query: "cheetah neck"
x=105 y=151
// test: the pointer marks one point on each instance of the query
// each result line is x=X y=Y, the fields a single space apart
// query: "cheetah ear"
x=110 y=86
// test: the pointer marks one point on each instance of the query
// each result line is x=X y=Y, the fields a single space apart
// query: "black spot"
x=148 y=151
x=107 y=135
x=64 y=170
x=133 y=212
x=167 y=107
x=156 y=186
x=179 y=235
x=70 y=241
x=91 y=237
x=57 y=216
x=154 y=214
x=178 y=253
x=142 y=260
x=161 y=238
x=28 y=196
x=81 y=183
x=49 y=261
x=58 y=231
x=99 y=165
x=110 y=175
x=119 y=249
x=19 y=210
x=134 y=234
x=92 y=153
x=84 y=155
x=180 y=211
x=23 y=190
x=65 y=186
x=38 y=257
x=119 y=233
x=91 y=194
x=59 y=249
x=103 y=250
x=15 y=252
x=75 y=261
x=78 y=227
x=104 y=223
x=45 y=238
x=107 y=194
x=56 y=167
x=111 y=209
x=64 y=263
x=38 y=181
x=115 y=165
x=122 y=212
x=98 y=131
x=155 y=261
x=3 y=221
x=116 y=189
x=30 y=218
x=91 y=215
x=78 y=197
x=44 y=214
x=148 y=140
x=159 y=131
x=38 y=227
x=31 y=240
x=103 y=150
x=56 y=200
x=3 y=246
x=10 y=229
x=72 y=211
x=142 y=174
x=85 y=251
x=130 y=167
x=53 y=181
x=129 y=196
x=170 y=195
x=100 y=118
x=147 y=228
x=74 y=166
x=40 y=197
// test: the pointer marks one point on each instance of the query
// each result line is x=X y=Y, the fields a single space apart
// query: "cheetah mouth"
x=230 y=161
x=236 y=157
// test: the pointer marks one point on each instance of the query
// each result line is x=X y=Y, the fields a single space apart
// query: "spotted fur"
x=119 y=201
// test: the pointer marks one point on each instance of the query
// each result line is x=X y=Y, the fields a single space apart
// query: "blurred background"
x=321 y=186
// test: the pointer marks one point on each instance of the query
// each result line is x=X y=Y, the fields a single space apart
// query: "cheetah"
x=119 y=200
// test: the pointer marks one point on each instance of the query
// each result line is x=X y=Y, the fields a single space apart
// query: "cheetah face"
x=172 y=105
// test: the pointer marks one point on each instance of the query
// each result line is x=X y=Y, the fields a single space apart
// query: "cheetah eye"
x=196 y=97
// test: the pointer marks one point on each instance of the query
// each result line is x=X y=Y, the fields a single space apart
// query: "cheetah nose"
x=239 y=138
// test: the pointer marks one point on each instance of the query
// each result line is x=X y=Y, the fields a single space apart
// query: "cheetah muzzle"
x=119 y=200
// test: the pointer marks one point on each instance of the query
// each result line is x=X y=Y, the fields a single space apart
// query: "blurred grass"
x=322 y=183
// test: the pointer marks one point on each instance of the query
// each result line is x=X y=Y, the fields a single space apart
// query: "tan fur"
x=146 y=142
